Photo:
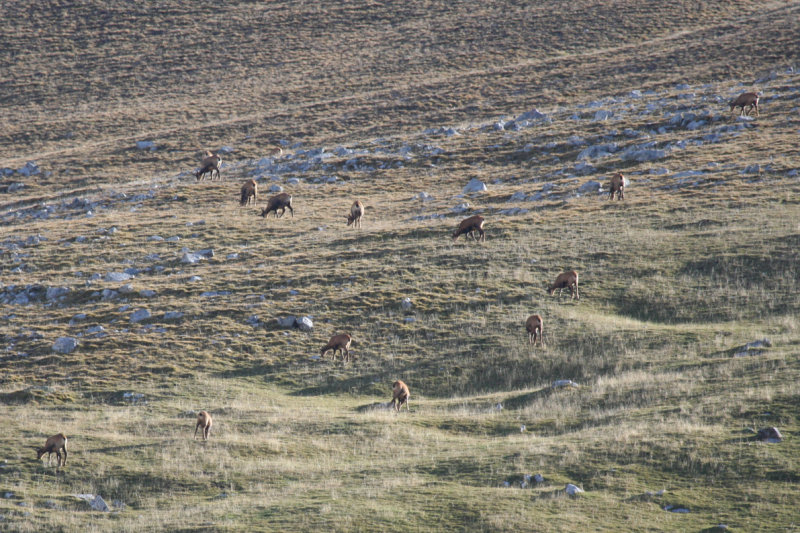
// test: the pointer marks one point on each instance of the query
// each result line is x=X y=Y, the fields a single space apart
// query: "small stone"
x=771 y=435
x=573 y=490
x=65 y=344
x=117 y=276
x=139 y=315
x=474 y=185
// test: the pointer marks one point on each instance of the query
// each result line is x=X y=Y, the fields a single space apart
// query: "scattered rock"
x=65 y=344
x=676 y=509
x=286 y=322
x=406 y=304
x=134 y=397
x=77 y=318
x=573 y=490
x=139 y=315
x=534 y=114
x=474 y=185
x=598 y=150
x=564 y=383
x=146 y=145
x=753 y=348
x=173 y=315
x=642 y=155
x=771 y=435
x=603 y=114
x=305 y=324
x=191 y=258
x=117 y=276
x=589 y=187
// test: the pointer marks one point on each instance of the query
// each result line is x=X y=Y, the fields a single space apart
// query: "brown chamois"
x=279 y=201
x=616 y=185
x=209 y=164
x=534 y=326
x=249 y=192
x=563 y=281
x=55 y=444
x=400 y=395
x=469 y=226
x=340 y=343
x=748 y=100
x=356 y=213
x=204 y=422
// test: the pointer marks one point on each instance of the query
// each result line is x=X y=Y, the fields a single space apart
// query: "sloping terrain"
x=649 y=389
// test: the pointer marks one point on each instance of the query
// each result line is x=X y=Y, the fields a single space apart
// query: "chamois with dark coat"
x=748 y=100
x=279 y=201
x=249 y=192
x=340 y=343
x=566 y=280
x=209 y=165
x=534 y=326
x=55 y=444
x=616 y=185
x=356 y=214
x=469 y=226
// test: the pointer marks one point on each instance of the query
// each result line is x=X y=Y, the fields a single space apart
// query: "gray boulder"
x=474 y=185
x=305 y=324
x=65 y=344
x=117 y=276
x=769 y=435
x=589 y=187
x=573 y=490
x=139 y=315
x=286 y=322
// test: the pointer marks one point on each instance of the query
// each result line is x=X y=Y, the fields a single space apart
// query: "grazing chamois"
x=356 y=213
x=616 y=185
x=55 y=444
x=469 y=226
x=563 y=281
x=279 y=201
x=249 y=192
x=204 y=422
x=209 y=164
x=534 y=327
x=748 y=100
x=400 y=395
x=340 y=343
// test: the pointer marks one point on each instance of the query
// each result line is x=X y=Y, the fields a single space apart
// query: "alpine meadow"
x=269 y=266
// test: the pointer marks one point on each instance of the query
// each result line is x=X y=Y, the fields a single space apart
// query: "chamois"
x=749 y=100
x=55 y=444
x=249 y=191
x=209 y=164
x=340 y=343
x=400 y=395
x=204 y=422
x=534 y=326
x=616 y=185
x=469 y=226
x=356 y=213
x=563 y=281
x=279 y=201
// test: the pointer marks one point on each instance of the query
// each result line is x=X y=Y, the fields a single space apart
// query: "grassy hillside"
x=401 y=105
